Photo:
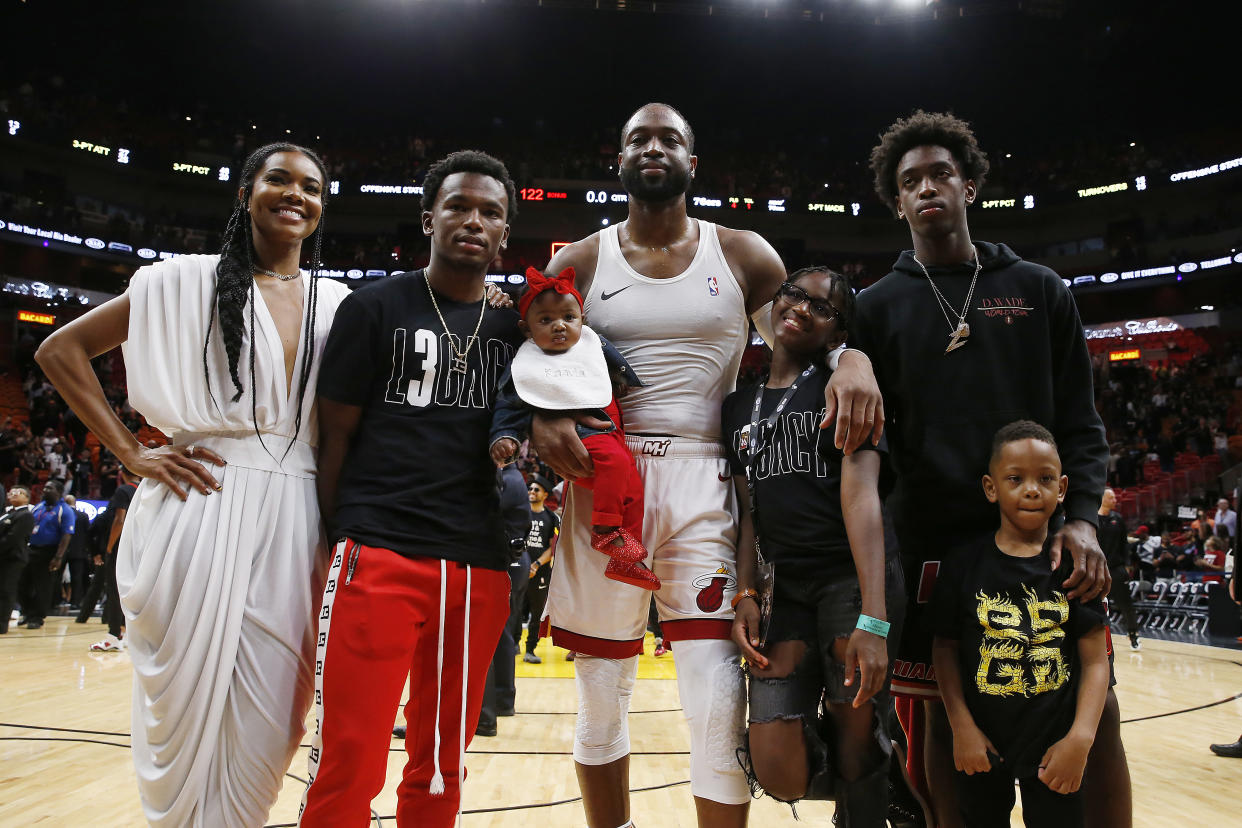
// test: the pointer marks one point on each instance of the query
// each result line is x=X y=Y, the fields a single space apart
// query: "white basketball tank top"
x=684 y=336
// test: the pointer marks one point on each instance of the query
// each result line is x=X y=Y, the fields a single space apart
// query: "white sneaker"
x=110 y=644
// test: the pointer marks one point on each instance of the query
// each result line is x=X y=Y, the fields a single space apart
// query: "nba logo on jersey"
x=713 y=287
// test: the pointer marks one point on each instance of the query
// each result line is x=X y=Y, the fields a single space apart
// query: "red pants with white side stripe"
x=381 y=621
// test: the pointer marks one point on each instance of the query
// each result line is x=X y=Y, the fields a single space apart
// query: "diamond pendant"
x=958 y=338
x=459 y=364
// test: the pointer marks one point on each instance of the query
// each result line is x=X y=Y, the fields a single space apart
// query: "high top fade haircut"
x=924 y=129
x=235 y=288
x=670 y=108
x=468 y=161
x=1020 y=430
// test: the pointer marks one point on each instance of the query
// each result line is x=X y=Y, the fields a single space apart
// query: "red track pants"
x=617 y=486
x=381 y=620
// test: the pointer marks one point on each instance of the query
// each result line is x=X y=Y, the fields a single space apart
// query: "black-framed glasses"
x=820 y=308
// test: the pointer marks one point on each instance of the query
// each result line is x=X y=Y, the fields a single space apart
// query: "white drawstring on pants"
x=465 y=677
x=437 y=780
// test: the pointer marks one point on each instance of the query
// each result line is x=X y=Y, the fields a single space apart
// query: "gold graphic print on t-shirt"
x=1011 y=662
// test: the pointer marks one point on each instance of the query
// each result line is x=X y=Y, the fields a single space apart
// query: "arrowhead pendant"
x=958 y=338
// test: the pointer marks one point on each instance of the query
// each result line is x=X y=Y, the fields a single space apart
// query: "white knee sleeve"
x=713 y=697
x=605 y=686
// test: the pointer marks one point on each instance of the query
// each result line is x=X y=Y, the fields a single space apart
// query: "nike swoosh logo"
x=605 y=295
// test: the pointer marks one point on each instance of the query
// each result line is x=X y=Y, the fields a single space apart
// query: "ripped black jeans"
x=804 y=683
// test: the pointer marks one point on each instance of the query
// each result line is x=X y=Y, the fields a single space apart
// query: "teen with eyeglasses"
x=837 y=595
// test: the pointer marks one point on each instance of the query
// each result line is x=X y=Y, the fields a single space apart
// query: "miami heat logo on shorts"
x=713 y=287
x=711 y=587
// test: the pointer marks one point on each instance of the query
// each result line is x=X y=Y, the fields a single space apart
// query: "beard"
x=676 y=182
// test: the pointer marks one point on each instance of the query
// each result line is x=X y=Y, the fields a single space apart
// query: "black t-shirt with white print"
x=1017 y=640
x=797 y=480
x=418 y=478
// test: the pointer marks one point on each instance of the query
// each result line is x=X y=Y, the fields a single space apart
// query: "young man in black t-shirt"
x=545 y=527
x=419 y=581
x=1023 y=669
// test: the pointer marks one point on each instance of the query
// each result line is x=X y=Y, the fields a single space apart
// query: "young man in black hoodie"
x=964 y=337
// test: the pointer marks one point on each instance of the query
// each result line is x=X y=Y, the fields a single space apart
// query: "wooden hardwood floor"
x=64 y=743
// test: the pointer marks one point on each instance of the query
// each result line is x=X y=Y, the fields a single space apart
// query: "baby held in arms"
x=565 y=367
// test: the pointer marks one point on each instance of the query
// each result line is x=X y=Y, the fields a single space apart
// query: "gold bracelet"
x=746 y=593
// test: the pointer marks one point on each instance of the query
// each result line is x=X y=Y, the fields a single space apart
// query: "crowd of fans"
x=47 y=111
x=51 y=443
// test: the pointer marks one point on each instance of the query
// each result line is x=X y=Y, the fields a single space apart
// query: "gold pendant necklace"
x=458 y=365
x=961 y=331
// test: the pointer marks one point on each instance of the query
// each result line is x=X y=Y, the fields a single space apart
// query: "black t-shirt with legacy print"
x=797 y=475
x=418 y=478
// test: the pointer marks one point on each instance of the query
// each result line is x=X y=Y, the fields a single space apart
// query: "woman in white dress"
x=221 y=560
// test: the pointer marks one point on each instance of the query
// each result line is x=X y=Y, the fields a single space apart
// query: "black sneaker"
x=34 y=625
x=1135 y=644
x=1233 y=750
x=905 y=808
x=398 y=732
x=485 y=730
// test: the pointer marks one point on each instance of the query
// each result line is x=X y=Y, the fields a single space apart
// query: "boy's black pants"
x=987 y=799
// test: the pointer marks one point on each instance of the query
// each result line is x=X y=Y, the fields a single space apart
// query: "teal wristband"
x=873 y=625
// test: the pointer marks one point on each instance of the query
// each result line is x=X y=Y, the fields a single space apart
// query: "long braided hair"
x=235 y=287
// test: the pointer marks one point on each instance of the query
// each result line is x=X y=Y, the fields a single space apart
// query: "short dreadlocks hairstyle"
x=468 y=161
x=921 y=129
x=1020 y=430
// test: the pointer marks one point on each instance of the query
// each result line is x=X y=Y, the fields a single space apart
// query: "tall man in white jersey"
x=673 y=294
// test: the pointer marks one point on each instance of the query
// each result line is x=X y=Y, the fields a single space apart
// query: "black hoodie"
x=1026 y=358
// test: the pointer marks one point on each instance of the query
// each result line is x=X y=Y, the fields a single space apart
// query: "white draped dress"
x=220 y=592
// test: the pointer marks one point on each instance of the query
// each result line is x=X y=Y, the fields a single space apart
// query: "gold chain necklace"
x=957 y=333
x=284 y=277
x=459 y=357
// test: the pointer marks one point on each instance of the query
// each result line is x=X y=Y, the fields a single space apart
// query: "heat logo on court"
x=711 y=587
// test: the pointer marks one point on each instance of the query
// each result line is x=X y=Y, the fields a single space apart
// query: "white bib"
x=577 y=378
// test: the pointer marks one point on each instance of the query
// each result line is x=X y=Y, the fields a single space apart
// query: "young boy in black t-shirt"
x=1023 y=670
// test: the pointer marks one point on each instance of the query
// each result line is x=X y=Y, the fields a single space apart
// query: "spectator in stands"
x=109 y=466
x=49 y=439
x=1145 y=546
x=1212 y=561
x=57 y=461
x=80 y=471
x=1201 y=528
x=1226 y=519
x=16 y=524
x=8 y=449
x=1164 y=558
x=29 y=465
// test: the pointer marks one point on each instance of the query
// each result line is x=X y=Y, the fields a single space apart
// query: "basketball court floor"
x=64 y=742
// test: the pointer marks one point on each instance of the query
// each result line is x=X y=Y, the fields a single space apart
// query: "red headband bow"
x=537 y=283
